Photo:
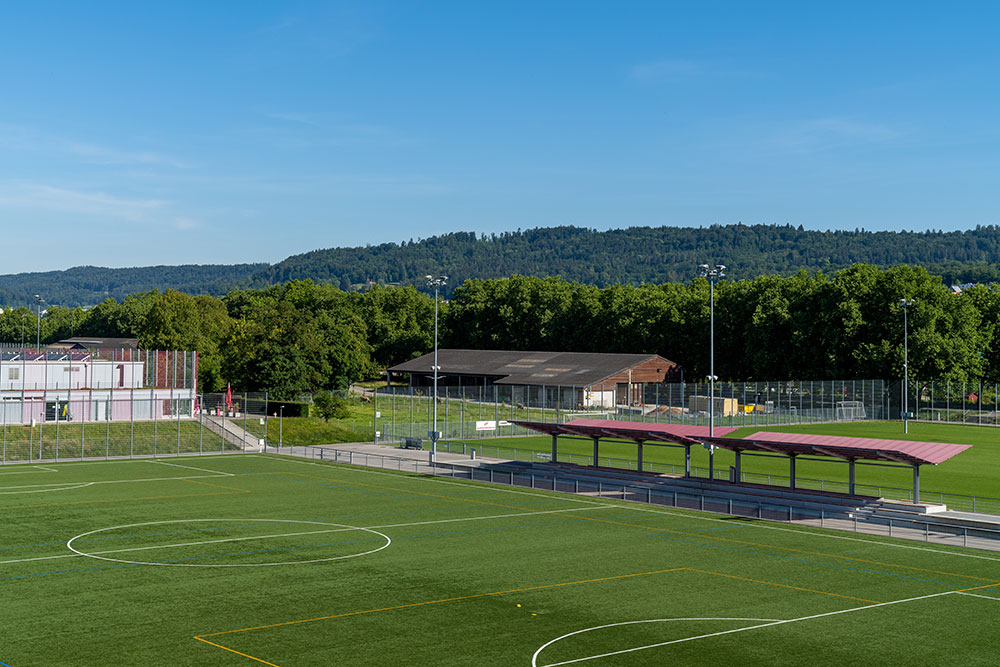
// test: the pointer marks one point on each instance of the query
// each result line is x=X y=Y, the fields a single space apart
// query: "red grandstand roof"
x=899 y=451
x=684 y=434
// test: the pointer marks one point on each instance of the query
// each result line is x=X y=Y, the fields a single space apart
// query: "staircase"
x=231 y=432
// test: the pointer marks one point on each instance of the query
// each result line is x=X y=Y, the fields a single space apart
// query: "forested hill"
x=89 y=285
x=621 y=256
x=646 y=255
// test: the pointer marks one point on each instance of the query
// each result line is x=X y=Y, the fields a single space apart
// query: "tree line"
x=301 y=336
x=632 y=256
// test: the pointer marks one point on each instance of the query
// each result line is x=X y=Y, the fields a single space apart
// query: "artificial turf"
x=385 y=568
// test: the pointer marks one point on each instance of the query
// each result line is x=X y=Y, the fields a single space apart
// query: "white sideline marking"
x=80 y=485
x=178 y=465
x=729 y=632
x=439 y=480
x=757 y=523
x=977 y=595
x=309 y=532
x=396 y=525
x=29 y=472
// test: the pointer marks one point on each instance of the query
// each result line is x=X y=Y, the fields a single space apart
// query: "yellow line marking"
x=771 y=583
x=846 y=558
x=411 y=605
x=454 y=599
x=219 y=486
x=976 y=588
x=675 y=532
x=780 y=548
x=416 y=493
x=117 y=500
x=245 y=655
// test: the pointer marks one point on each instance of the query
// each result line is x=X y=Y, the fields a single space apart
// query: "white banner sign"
x=486 y=426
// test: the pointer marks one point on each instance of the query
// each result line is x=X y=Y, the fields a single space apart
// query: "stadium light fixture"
x=905 y=303
x=436 y=283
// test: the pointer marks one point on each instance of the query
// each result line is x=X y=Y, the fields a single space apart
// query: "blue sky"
x=192 y=132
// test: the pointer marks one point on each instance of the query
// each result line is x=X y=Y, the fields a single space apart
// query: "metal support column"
x=555 y=439
x=639 y=458
x=739 y=467
x=687 y=460
x=596 y=441
x=916 y=484
x=850 y=476
x=791 y=471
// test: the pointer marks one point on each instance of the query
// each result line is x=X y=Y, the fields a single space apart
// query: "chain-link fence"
x=136 y=426
x=971 y=402
x=488 y=411
x=937 y=532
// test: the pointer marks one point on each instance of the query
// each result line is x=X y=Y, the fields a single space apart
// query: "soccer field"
x=251 y=559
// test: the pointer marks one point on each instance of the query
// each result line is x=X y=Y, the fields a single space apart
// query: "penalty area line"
x=730 y=632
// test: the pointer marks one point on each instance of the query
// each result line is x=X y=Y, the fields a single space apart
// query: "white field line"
x=977 y=595
x=729 y=632
x=47 y=469
x=534 y=657
x=65 y=486
x=178 y=465
x=327 y=530
x=642 y=508
x=334 y=530
x=77 y=485
x=439 y=480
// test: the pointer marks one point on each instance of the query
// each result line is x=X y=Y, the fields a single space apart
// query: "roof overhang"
x=645 y=432
x=903 y=452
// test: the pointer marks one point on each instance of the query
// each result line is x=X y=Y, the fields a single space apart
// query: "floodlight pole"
x=712 y=275
x=906 y=367
x=38 y=329
x=281 y=420
x=436 y=283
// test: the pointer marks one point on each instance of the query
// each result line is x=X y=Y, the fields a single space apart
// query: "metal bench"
x=412 y=443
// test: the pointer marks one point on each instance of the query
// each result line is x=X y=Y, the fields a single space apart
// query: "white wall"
x=96 y=374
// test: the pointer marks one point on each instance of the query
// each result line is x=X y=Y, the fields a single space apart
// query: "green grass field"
x=973 y=472
x=249 y=560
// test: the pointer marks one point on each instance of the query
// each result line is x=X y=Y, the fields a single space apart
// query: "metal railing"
x=913 y=529
x=955 y=501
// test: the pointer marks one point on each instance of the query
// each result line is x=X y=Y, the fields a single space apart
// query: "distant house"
x=572 y=379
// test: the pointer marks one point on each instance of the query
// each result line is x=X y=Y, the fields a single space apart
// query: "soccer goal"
x=851 y=411
x=570 y=416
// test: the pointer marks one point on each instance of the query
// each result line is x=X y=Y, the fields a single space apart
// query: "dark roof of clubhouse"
x=579 y=369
